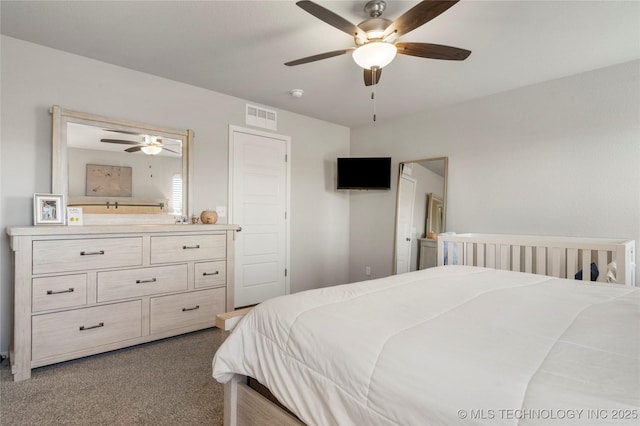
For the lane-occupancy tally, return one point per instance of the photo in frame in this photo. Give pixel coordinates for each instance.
(48, 209)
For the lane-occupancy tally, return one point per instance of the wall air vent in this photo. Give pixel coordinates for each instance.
(261, 117)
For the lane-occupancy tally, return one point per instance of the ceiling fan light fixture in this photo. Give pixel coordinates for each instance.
(151, 149)
(374, 54)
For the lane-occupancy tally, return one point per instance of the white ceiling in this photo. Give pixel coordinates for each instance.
(239, 48)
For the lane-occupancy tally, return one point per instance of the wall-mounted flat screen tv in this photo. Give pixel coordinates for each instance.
(364, 173)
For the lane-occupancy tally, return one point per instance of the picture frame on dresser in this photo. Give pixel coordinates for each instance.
(48, 209)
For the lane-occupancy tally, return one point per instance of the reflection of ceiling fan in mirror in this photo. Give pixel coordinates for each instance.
(376, 37)
(150, 145)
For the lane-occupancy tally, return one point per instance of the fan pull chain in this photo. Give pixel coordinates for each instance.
(373, 90)
(373, 98)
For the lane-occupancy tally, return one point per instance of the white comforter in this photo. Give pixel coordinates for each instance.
(447, 345)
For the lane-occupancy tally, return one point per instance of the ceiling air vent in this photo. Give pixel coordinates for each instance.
(261, 117)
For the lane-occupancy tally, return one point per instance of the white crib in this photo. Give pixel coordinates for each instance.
(556, 256)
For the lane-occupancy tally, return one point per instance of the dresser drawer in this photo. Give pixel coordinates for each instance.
(70, 331)
(65, 291)
(198, 308)
(210, 274)
(114, 285)
(181, 248)
(90, 253)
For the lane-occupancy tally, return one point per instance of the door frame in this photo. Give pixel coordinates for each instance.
(287, 139)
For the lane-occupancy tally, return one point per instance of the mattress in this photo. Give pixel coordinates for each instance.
(446, 345)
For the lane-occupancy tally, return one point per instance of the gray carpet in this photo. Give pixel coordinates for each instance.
(167, 382)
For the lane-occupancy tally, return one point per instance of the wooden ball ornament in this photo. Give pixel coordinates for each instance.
(209, 217)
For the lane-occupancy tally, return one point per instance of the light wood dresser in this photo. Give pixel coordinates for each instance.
(88, 289)
(428, 253)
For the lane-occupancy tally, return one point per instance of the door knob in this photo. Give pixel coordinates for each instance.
(408, 239)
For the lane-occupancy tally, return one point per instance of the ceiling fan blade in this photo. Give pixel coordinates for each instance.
(433, 51)
(418, 15)
(368, 76)
(134, 148)
(126, 132)
(170, 150)
(319, 57)
(331, 18)
(125, 142)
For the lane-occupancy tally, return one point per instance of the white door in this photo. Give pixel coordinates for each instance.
(259, 199)
(406, 200)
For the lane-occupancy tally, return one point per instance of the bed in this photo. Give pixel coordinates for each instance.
(455, 344)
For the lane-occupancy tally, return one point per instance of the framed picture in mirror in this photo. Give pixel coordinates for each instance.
(108, 181)
(48, 209)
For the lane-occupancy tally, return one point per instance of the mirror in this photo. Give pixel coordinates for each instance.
(120, 172)
(434, 216)
(420, 213)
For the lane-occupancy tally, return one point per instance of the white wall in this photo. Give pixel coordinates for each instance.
(34, 77)
(557, 158)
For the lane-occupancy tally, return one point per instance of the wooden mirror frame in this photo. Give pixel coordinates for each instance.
(59, 158)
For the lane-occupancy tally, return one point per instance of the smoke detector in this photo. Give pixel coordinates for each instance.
(296, 93)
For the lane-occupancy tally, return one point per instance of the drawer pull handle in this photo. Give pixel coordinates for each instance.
(204, 274)
(191, 247)
(191, 309)
(91, 253)
(60, 291)
(152, 280)
(82, 327)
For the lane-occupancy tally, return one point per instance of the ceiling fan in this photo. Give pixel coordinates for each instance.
(376, 38)
(151, 145)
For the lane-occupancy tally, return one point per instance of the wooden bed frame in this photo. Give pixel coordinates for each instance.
(555, 256)
(245, 406)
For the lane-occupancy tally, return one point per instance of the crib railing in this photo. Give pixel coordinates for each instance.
(561, 257)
